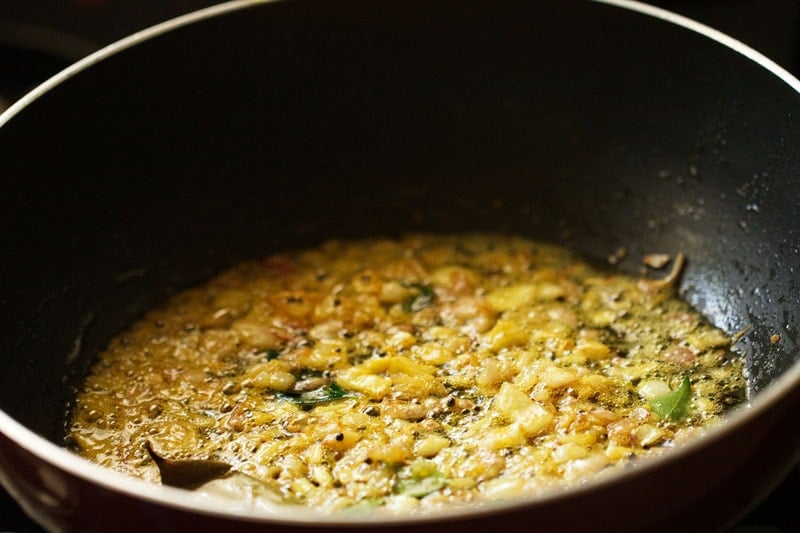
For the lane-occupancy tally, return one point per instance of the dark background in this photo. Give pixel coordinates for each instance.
(37, 39)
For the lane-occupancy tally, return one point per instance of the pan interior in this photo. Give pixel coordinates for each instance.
(181, 156)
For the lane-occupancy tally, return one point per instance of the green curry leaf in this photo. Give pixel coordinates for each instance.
(272, 353)
(673, 405)
(417, 488)
(417, 302)
(419, 479)
(326, 394)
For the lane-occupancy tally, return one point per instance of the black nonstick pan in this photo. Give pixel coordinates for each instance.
(253, 127)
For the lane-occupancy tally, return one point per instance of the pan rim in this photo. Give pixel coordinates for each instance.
(233, 5)
(712, 33)
(81, 468)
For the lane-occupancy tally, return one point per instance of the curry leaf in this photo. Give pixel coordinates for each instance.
(328, 393)
(272, 353)
(419, 479)
(421, 300)
(673, 405)
(419, 487)
(187, 473)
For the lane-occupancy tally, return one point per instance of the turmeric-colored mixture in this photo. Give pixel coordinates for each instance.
(407, 374)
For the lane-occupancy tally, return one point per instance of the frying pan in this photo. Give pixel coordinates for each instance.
(253, 127)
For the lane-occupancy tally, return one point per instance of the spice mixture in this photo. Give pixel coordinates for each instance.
(407, 374)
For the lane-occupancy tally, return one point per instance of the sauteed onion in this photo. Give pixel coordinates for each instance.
(408, 374)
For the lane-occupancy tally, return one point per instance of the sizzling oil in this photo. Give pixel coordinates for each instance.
(407, 374)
